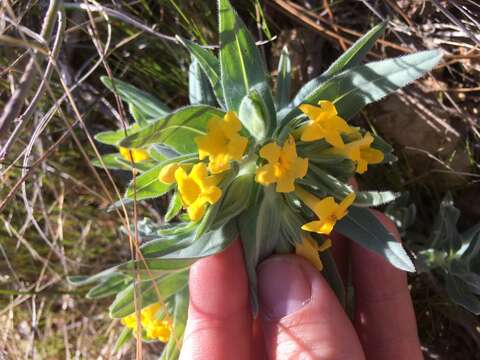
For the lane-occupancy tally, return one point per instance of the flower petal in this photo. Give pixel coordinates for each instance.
(285, 184)
(270, 152)
(167, 174)
(265, 175)
(334, 138)
(328, 108)
(312, 132)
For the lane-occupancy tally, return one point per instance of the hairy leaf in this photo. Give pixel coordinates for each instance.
(178, 130)
(363, 227)
(241, 64)
(150, 106)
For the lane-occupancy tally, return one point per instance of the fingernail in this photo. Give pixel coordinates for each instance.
(283, 287)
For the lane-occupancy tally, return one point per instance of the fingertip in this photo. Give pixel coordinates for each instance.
(219, 315)
(300, 314)
(217, 278)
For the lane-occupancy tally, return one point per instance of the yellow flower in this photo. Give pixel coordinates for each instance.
(283, 167)
(155, 329)
(167, 174)
(327, 210)
(309, 249)
(197, 189)
(222, 143)
(361, 153)
(134, 155)
(324, 124)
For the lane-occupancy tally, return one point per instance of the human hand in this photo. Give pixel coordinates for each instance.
(300, 317)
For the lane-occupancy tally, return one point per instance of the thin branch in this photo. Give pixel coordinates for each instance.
(457, 22)
(48, 72)
(129, 19)
(14, 105)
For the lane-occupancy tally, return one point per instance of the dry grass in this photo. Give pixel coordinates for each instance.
(53, 204)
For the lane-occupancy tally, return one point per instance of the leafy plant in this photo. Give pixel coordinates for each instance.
(245, 163)
(453, 257)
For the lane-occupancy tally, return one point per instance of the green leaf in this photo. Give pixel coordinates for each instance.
(458, 293)
(284, 79)
(180, 314)
(290, 227)
(350, 58)
(174, 207)
(149, 291)
(199, 88)
(147, 185)
(402, 212)
(174, 253)
(209, 244)
(357, 52)
(445, 235)
(114, 137)
(109, 286)
(259, 227)
(125, 336)
(150, 230)
(117, 162)
(472, 280)
(177, 130)
(209, 64)
(151, 269)
(111, 161)
(331, 274)
(236, 199)
(471, 240)
(339, 189)
(363, 227)
(150, 106)
(241, 64)
(210, 216)
(81, 280)
(359, 86)
(374, 198)
(256, 114)
(164, 245)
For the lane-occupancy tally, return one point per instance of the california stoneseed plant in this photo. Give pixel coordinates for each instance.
(452, 257)
(239, 162)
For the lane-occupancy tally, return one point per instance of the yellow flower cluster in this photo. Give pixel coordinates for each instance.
(154, 328)
(283, 167)
(221, 144)
(325, 124)
(197, 183)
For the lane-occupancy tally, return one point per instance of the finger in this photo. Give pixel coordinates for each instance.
(219, 316)
(301, 317)
(384, 316)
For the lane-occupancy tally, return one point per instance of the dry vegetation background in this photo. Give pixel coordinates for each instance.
(53, 205)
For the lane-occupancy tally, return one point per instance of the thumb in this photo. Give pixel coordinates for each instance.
(301, 317)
